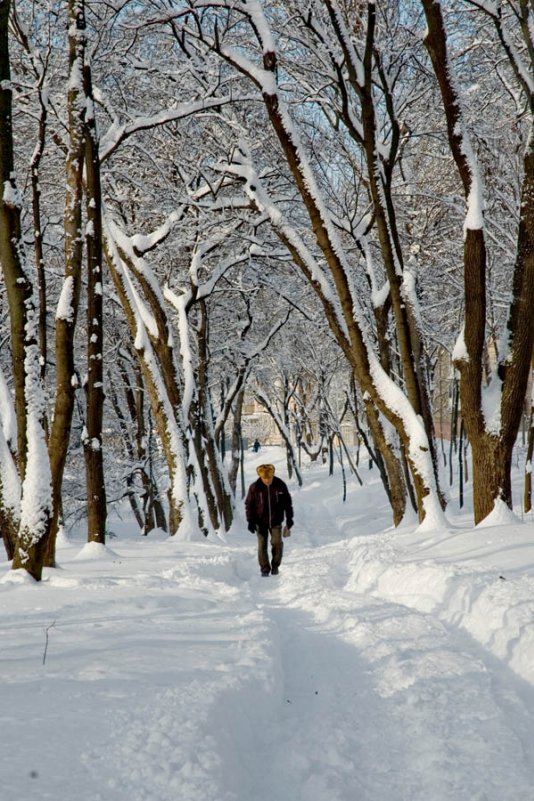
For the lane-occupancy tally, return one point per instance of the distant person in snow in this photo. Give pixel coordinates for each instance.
(267, 502)
(256, 446)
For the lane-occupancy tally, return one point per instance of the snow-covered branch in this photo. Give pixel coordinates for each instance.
(118, 132)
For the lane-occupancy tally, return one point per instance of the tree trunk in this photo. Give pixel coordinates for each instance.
(492, 440)
(128, 447)
(345, 324)
(527, 494)
(67, 312)
(402, 294)
(236, 440)
(387, 462)
(17, 285)
(34, 523)
(160, 381)
(390, 466)
(38, 245)
(141, 456)
(94, 385)
(211, 453)
(10, 489)
(492, 464)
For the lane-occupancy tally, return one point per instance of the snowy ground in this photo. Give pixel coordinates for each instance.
(379, 665)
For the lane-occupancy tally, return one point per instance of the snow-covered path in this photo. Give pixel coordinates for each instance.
(378, 666)
(383, 702)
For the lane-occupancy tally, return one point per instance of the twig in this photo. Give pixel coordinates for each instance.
(46, 639)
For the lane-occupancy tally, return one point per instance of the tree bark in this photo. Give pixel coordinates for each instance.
(389, 465)
(492, 440)
(345, 324)
(38, 245)
(235, 458)
(379, 176)
(94, 384)
(128, 447)
(213, 461)
(33, 464)
(67, 312)
(18, 287)
(161, 385)
(527, 492)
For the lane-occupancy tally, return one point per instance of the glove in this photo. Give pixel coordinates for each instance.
(252, 528)
(286, 532)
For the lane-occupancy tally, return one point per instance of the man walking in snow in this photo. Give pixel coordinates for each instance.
(267, 501)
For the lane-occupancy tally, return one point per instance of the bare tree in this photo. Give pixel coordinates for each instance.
(492, 415)
(333, 282)
(32, 518)
(67, 310)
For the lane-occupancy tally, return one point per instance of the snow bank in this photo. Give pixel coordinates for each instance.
(481, 581)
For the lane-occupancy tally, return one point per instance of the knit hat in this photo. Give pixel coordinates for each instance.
(265, 470)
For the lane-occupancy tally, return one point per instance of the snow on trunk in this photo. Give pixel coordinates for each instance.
(8, 418)
(169, 420)
(36, 502)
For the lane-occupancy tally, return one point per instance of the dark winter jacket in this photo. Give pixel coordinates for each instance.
(266, 506)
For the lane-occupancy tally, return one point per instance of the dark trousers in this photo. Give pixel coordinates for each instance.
(277, 548)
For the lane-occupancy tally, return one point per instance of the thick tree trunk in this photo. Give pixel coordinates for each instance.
(13, 276)
(199, 443)
(94, 385)
(18, 288)
(153, 510)
(67, 312)
(403, 300)
(35, 511)
(10, 488)
(159, 368)
(390, 465)
(492, 440)
(492, 464)
(402, 297)
(9, 529)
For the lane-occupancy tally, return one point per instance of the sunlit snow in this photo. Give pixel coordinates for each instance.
(380, 665)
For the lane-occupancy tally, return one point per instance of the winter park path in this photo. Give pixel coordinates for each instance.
(343, 697)
(194, 679)
(384, 702)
